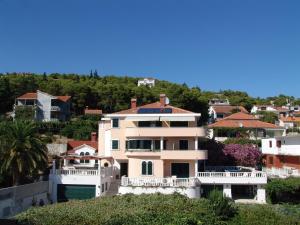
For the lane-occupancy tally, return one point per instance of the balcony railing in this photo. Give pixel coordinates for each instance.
(77, 172)
(158, 182)
(165, 132)
(255, 177)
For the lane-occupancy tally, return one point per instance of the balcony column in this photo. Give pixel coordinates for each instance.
(161, 143)
(227, 190)
(261, 194)
(65, 162)
(196, 168)
(196, 143)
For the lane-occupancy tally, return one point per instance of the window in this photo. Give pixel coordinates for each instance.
(179, 124)
(278, 144)
(271, 160)
(87, 160)
(106, 164)
(115, 123)
(139, 144)
(81, 154)
(183, 144)
(149, 123)
(220, 116)
(270, 144)
(156, 144)
(147, 168)
(115, 144)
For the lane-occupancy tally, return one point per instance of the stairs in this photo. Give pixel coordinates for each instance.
(113, 188)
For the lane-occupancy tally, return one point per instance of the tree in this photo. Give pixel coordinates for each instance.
(269, 117)
(23, 152)
(243, 155)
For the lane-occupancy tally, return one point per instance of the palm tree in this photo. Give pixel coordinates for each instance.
(22, 151)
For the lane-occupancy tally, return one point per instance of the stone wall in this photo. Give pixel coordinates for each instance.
(14, 200)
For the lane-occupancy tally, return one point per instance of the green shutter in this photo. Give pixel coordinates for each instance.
(150, 168)
(144, 168)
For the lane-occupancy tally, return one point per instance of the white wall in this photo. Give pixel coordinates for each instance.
(290, 145)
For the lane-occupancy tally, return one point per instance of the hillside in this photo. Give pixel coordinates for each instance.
(112, 93)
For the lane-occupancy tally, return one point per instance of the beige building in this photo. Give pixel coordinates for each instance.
(154, 140)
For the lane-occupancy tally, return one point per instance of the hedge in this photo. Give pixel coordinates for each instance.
(153, 209)
(284, 190)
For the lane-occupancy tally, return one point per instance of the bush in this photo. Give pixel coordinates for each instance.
(153, 209)
(222, 206)
(284, 190)
(242, 141)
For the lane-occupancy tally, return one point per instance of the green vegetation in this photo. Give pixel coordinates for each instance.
(157, 210)
(268, 117)
(242, 141)
(22, 152)
(24, 113)
(284, 190)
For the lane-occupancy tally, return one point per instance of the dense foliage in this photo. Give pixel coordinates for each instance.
(152, 210)
(243, 155)
(269, 117)
(23, 153)
(242, 141)
(284, 190)
(111, 93)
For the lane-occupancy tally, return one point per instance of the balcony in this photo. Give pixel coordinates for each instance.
(184, 154)
(254, 177)
(165, 132)
(158, 182)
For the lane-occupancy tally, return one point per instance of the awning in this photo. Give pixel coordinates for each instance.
(142, 118)
(177, 118)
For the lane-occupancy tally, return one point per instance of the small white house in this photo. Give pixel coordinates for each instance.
(147, 82)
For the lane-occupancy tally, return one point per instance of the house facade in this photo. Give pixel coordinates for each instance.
(242, 124)
(282, 156)
(154, 148)
(220, 111)
(46, 107)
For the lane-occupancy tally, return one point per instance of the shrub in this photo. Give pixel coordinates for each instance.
(222, 206)
(284, 190)
(242, 141)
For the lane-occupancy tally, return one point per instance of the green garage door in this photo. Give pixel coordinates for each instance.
(67, 192)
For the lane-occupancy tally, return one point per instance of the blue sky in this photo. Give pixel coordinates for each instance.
(249, 45)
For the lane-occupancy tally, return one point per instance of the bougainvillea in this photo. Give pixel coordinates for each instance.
(243, 155)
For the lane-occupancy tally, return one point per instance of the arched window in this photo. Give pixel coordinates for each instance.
(147, 168)
(87, 160)
(106, 164)
(81, 154)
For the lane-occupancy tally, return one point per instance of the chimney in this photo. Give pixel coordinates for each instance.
(94, 136)
(162, 99)
(133, 103)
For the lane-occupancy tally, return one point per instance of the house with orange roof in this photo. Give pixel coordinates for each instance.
(219, 111)
(289, 122)
(46, 107)
(239, 124)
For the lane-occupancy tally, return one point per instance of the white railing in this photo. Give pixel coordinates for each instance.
(232, 174)
(282, 172)
(158, 182)
(77, 172)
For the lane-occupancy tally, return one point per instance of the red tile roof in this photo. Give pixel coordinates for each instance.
(33, 95)
(227, 109)
(63, 98)
(290, 119)
(240, 119)
(175, 110)
(29, 95)
(72, 144)
(92, 111)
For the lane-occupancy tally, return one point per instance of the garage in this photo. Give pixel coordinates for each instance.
(66, 192)
(181, 170)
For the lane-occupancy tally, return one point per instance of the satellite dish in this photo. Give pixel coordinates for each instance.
(167, 101)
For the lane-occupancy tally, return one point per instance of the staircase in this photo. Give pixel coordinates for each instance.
(113, 188)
